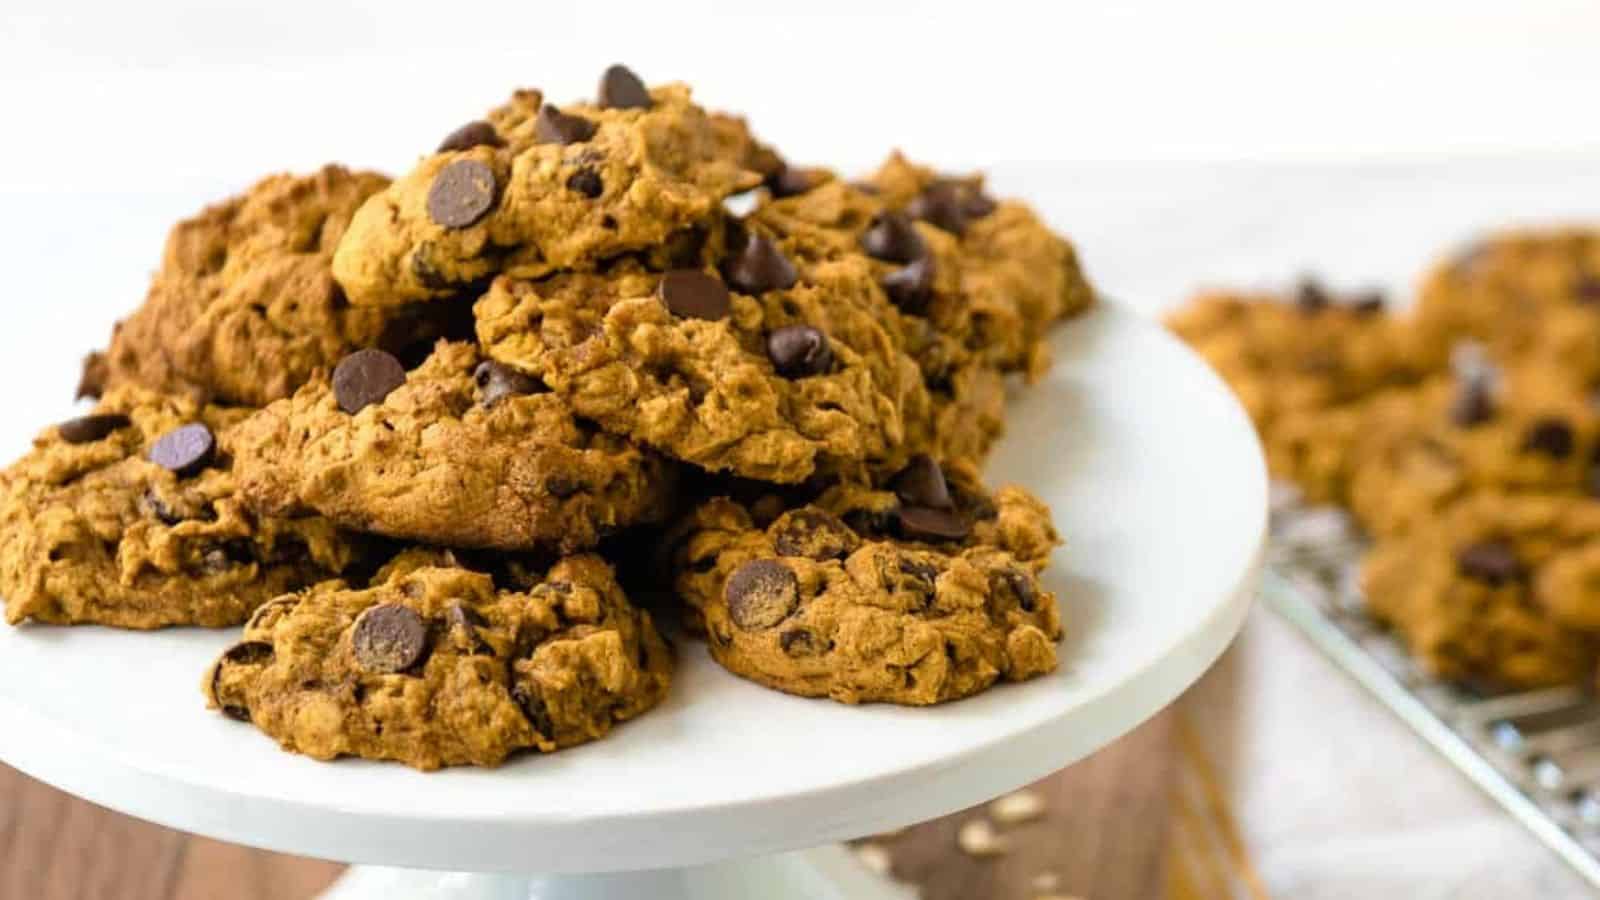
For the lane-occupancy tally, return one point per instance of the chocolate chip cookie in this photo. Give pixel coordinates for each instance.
(244, 307)
(917, 592)
(538, 188)
(461, 451)
(988, 273)
(438, 665)
(765, 367)
(1500, 587)
(131, 516)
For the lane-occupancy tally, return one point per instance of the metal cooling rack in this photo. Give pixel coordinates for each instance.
(1537, 753)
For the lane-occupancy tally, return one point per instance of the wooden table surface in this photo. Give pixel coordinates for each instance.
(1103, 835)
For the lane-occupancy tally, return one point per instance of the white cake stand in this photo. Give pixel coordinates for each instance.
(1155, 478)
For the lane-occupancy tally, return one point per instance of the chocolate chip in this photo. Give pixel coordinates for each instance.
(461, 616)
(813, 534)
(534, 710)
(922, 483)
(1552, 437)
(586, 182)
(797, 351)
(1492, 562)
(1310, 296)
(389, 638)
(923, 523)
(692, 294)
(760, 267)
(621, 89)
(248, 653)
(911, 286)
(366, 377)
(1473, 404)
(153, 506)
(799, 642)
(185, 450)
(1369, 303)
(892, 238)
(496, 380)
(556, 127)
(1587, 288)
(472, 134)
(761, 593)
(1018, 585)
(88, 429)
(462, 193)
(789, 182)
(942, 204)
(92, 379)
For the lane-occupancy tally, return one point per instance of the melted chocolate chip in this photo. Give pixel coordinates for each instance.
(1552, 437)
(621, 89)
(462, 194)
(472, 134)
(910, 287)
(760, 267)
(892, 238)
(798, 351)
(185, 450)
(534, 710)
(942, 204)
(552, 126)
(89, 429)
(922, 483)
(692, 294)
(799, 642)
(586, 182)
(1492, 562)
(789, 182)
(366, 377)
(496, 380)
(389, 638)
(761, 593)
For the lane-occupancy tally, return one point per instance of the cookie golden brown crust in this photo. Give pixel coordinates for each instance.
(1500, 587)
(459, 452)
(865, 596)
(436, 665)
(244, 307)
(93, 530)
(556, 189)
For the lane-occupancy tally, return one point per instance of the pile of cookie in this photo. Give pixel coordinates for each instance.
(1462, 435)
(449, 446)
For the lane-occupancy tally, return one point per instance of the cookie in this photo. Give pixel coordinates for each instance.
(539, 188)
(1498, 587)
(244, 307)
(769, 368)
(438, 665)
(988, 273)
(460, 451)
(1503, 289)
(131, 516)
(1522, 431)
(1283, 356)
(919, 593)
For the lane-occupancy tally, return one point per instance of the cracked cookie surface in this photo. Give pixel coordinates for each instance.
(459, 451)
(540, 189)
(244, 307)
(436, 665)
(132, 517)
(917, 594)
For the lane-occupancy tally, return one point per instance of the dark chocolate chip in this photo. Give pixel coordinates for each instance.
(1473, 404)
(1019, 585)
(1552, 437)
(760, 267)
(942, 204)
(692, 294)
(1369, 303)
(1587, 288)
(154, 506)
(586, 182)
(621, 89)
(496, 380)
(92, 380)
(797, 351)
(925, 573)
(389, 638)
(1492, 562)
(184, 450)
(462, 193)
(924, 523)
(248, 653)
(761, 593)
(789, 182)
(799, 642)
(88, 429)
(922, 483)
(472, 134)
(910, 287)
(892, 238)
(556, 127)
(1310, 296)
(534, 710)
(813, 534)
(366, 377)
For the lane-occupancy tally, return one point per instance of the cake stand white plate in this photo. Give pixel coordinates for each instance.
(1156, 481)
